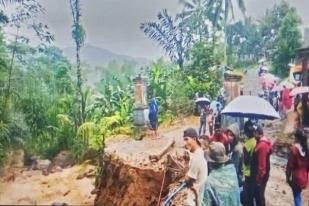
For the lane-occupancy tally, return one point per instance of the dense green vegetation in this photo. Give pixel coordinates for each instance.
(46, 106)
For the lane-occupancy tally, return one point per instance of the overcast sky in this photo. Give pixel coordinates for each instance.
(114, 24)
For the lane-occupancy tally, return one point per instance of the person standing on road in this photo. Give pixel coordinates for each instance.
(260, 165)
(198, 170)
(236, 154)
(249, 147)
(210, 120)
(220, 136)
(153, 117)
(298, 166)
(203, 121)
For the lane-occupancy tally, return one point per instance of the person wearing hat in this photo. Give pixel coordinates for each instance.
(221, 187)
(198, 171)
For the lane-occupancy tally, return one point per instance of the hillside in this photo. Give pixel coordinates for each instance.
(96, 56)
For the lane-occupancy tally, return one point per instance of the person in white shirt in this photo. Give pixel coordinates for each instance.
(198, 171)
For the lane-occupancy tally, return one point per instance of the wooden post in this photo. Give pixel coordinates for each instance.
(305, 116)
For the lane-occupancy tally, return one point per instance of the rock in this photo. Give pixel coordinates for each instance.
(283, 192)
(39, 164)
(56, 169)
(63, 159)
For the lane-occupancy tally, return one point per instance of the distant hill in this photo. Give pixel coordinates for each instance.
(96, 56)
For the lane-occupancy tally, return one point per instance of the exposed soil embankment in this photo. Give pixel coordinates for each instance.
(133, 171)
(124, 184)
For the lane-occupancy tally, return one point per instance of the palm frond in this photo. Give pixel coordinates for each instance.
(5, 2)
(188, 4)
(156, 32)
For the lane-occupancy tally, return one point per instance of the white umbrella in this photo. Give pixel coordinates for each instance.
(202, 99)
(264, 68)
(251, 107)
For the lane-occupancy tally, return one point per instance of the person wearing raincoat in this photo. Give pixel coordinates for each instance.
(221, 188)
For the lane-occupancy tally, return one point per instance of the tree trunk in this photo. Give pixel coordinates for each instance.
(8, 90)
(80, 112)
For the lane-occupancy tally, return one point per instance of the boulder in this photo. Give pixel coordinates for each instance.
(63, 159)
(39, 164)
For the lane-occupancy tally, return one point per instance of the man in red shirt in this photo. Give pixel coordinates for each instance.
(260, 165)
(220, 136)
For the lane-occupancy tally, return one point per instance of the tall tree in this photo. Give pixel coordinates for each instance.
(78, 34)
(170, 34)
(26, 14)
(270, 25)
(244, 41)
(289, 39)
(195, 17)
(219, 7)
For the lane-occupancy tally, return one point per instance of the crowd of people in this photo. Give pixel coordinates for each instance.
(232, 172)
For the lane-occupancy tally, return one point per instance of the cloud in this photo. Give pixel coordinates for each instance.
(114, 24)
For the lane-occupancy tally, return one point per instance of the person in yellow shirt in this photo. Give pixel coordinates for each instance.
(249, 146)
